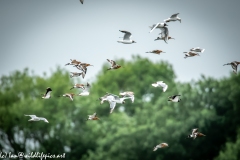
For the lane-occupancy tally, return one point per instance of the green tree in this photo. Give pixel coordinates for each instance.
(133, 129)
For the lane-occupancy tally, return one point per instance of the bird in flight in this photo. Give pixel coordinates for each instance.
(173, 17)
(47, 94)
(126, 38)
(234, 65)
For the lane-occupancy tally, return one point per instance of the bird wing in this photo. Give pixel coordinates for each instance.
(194, 130)
(112, 62)
(164, 86)
(174, 15)
(164, 32)
(48, 92)
(70, 96)
(162, 145)
(127, 35)
(234, 66)
(32, 116)
(114, 96)
(155, 148)
(112, 104)
(82, 1)
(132, 98)
(153, 27)
(175, 96)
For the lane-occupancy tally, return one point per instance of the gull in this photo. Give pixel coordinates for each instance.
(160, 84)
(35, 118)
(110, 99)
(127, 94)
(126, 38)
(93, 117)
(75, 74)
(73, 62)
(113, 99)
(156, 52)
(174, 98)
(174, 17)
(197, 49)
(114, 65)
(85, 91)
(78, 86)
(234, 65)
(117, 99)
(82, 1)
(164, 30)
(69, 95)
(162, 38)
(158, 25)
(190, 54)
(161, 145)
(195, 134)
(47, 94)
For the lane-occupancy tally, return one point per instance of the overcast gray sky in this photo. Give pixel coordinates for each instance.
(43, 34)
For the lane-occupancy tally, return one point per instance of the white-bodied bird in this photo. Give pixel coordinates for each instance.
(35, 118)
(47, 94)
(126, 38)
(160, 84)
(174, 98)
(173, 17)
(161, 145)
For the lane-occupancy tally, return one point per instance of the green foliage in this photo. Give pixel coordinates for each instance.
(133, 129)
(231, 150)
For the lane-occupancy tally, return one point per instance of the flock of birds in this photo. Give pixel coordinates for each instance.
(113, 99)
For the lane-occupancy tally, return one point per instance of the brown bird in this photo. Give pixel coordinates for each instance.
(73, 62)
(161, 145)
(83, 67)
(156, 52)
(69, 95)
(195, 134)
(75, 74)
(190, 54)
(162, 38)
(78, 86)
(234, 65)
(114, 65)
(93, 117)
